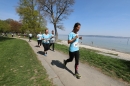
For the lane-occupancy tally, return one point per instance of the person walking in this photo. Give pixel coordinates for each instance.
(73, 39)
(52, 40)
(30, 36)
(39, 39)
(12, 35)
(46, 41)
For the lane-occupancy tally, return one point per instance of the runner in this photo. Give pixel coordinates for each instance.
(39, 39)
(45, 41)
(30, 36)
(73, 39)
(52, 41)
(12, 35)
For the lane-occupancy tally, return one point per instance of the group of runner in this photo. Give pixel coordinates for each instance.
(47, 40)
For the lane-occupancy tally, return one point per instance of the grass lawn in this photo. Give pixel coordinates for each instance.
(19, 65)
(113, 67)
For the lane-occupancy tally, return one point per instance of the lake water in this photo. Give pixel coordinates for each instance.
(121, 44)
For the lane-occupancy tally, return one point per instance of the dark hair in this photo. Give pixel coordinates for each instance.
(46, 30)
(76, 25)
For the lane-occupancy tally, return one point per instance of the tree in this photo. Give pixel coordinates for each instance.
(10, 25)
(15, 26)
(42, 22)
(56, 11)
(29, 16)
(4, 26)
(8, 20)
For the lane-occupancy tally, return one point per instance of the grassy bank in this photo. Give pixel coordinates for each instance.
(111, 66)
(19, 65)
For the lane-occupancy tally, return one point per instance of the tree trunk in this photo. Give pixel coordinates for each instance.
(56, 33)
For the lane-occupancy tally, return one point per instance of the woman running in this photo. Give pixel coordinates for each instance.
(46, 42)
(39, 39)
(73, 39)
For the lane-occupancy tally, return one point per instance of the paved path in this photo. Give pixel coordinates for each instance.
(64, 76)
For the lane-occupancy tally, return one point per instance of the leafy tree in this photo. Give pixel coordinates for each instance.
(4, 26)
(15, 26)
(29, 16)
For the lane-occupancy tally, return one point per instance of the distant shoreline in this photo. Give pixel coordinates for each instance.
(102, 48)
(121, 55)
(107, 48)
(100, 36)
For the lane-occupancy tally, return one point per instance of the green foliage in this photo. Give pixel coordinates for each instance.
(30, 16)
(10, 25)
(4, 26)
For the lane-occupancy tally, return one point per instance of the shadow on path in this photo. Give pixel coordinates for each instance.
(41, 52)
(61, 65)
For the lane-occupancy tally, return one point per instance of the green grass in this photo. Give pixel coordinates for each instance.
(19, 65)
(113, 67)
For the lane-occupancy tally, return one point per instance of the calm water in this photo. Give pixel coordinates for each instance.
(116, 43)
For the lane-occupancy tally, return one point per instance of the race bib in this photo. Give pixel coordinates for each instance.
(46, 41)
(76, 44)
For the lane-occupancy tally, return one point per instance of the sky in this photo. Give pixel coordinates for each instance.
(97, 17)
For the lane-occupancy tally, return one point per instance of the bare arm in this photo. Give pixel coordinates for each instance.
(72, 40)
(42, 38)
(37, 36)
(53, 37)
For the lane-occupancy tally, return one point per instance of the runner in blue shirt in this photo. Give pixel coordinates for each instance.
(39, 39)
(73, 39)
(46, 41)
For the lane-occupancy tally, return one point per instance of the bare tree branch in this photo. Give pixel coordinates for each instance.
(56, 11)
